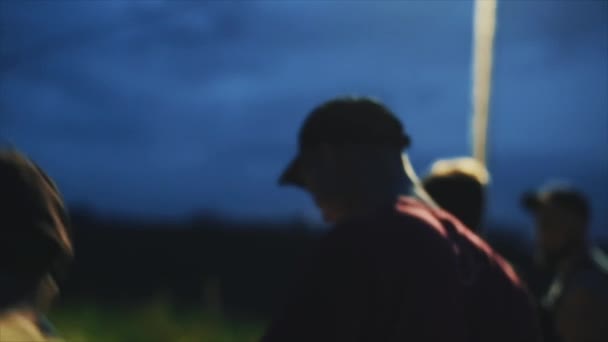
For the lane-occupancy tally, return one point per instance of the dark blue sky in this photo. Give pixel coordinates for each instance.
(165, 108)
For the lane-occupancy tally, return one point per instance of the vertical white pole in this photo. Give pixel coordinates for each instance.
(484, 29)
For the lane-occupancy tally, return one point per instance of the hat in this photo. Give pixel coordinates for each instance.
(559, 196)
(358, 120)
(34, 227)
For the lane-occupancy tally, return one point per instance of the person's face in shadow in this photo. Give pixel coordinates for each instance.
(558, 232)
(325, 179)
(349, 179)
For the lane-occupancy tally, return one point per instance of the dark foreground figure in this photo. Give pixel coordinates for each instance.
(35, 247)
(393, 267)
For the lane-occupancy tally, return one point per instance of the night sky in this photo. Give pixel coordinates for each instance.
(160, 108)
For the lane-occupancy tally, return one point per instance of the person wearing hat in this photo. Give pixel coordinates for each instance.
(393, 267)
(575, 307)
(458, 185)
(35, 247)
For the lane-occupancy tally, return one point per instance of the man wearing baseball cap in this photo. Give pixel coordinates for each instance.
(35, 246)
(394, 267)
(575, 307)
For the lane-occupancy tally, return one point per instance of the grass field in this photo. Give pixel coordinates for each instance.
(155, 322)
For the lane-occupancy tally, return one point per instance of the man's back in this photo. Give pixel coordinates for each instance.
(407, 274)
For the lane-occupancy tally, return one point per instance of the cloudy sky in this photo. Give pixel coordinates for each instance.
(170, 107)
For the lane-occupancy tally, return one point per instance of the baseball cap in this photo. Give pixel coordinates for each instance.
(359, 120)
(561, 196)
(34, 226)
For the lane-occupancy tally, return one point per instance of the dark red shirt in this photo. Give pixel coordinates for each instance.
(410, 273)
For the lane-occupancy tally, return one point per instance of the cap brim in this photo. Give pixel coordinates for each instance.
(293, 174)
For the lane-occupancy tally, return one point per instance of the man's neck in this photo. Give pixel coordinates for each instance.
(380, 197)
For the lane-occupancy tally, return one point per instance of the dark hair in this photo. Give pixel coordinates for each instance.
(459, 194)
(34, 227)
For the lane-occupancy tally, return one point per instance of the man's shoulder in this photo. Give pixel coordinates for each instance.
(405, 212)
(462, 242)
(387, 220)
(593, 277)
(409, 225)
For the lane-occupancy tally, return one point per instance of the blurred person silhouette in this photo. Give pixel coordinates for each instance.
(575, 307)
(35, 246)
(458, 186)
(393, 267)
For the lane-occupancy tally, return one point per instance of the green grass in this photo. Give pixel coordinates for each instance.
(155, 322)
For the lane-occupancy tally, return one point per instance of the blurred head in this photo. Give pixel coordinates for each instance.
(458, 186)
(34, 240)
(349, 156)
(561, 217)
